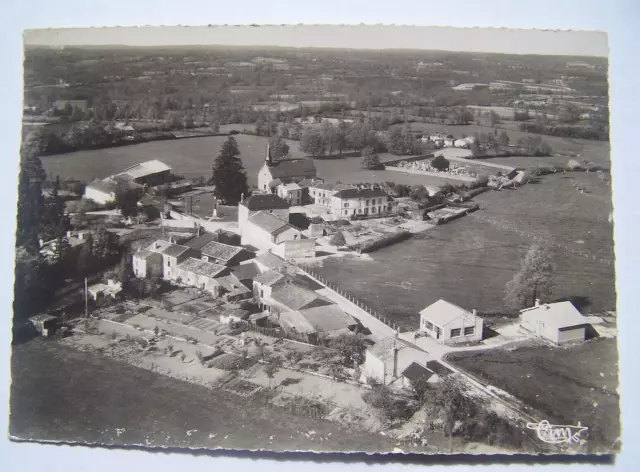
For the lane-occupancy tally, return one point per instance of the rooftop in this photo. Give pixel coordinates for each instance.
(270, 261)
(174, 250)
(269, 278)
(442, 313)
(105, 186)
(327, 318)
(42, 318)
(416, 371)
(296, 298)
(145, 254)
(201, 241)
(559, 315)
(246, 271)
(146, 168)
(269, 222)
(383, 349)
(292, 168)
(265, 201)
(207, 269)
(291, 186)
(224, 252)
(362, 192)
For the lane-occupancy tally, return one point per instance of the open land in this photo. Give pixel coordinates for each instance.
(62, 394)
(446, 261)
(193, 158)
(568, 384)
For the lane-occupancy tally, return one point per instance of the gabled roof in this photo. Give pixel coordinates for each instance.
(174, 250)
(327, 318)
(291, 186)
(269, 222)
(416, 371)
(246, 271)
(146, 168)
(144, 254)
(383, 349)
(296, 298)
(559, 315)
(361, 192)
(224, 252)
(442, 313)
(292, 168)
(207, 269)
(270, 261)
(201, 241)
(265, 201)
(269, 278)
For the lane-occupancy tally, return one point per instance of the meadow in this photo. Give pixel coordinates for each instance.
(193, 157)
(469, 261)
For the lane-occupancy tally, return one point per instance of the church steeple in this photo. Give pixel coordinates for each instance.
(268, 155)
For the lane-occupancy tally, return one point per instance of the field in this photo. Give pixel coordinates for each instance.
(596, 152)
(566, 385)
(62, 394)
(193, 157)
(469, 261)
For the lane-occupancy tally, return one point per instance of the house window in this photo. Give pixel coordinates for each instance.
(367, 204)
(379, 200)
(379, 209)
(428, 325)
(373, 209)
(345, 212)
(455, 332)
(168, 262)
(468, 331)
(261, 293)
(346, 204)
(295, 236)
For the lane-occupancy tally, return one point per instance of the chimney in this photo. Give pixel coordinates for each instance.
(537, 302)
(242, 197)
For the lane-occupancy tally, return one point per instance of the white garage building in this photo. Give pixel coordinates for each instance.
(559, 322)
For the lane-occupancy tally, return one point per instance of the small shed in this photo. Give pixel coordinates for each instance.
(45, 325)
(416, 372)
(559, 322)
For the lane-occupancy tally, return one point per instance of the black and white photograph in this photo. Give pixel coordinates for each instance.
(239, 238)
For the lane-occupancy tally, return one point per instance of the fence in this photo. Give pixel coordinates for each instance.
(331, 286)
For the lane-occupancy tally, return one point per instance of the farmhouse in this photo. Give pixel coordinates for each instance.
(449, 324)
(172, 255)
(261, 202)
(386, 361)
(197, 273)
(360, 200)
(291, 192)
(147, 264)
(284, 171)
(559, 322)
(268, 232)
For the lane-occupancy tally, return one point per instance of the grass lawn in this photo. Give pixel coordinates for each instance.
(469, 261)
(62, 394)
(193, 158)
(565, 384)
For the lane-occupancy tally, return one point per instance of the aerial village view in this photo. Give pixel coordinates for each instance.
(309, 249)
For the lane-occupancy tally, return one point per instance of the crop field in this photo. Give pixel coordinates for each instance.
(469, 261)
(194, 157)
(565, 384)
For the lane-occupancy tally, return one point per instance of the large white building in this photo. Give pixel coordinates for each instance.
(449, 324)
(559, 322)
(344, 201)
(268, 232)
(269, 203)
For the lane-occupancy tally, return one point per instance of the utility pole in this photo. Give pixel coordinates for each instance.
(86, 298)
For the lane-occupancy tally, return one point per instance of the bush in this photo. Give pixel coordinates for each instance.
(440, 163)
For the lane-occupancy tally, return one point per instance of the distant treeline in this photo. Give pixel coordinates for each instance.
(600, 133)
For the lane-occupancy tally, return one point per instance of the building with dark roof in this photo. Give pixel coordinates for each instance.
(224, 254)
(386, 360)
(284, 171)
(147, 264)
(269, 203)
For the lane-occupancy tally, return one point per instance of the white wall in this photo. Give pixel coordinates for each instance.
(99, 197)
